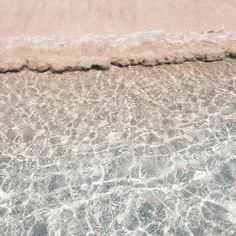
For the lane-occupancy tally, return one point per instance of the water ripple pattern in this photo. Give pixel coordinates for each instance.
(129, 151)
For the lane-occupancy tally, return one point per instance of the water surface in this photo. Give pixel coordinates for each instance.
(128, 151)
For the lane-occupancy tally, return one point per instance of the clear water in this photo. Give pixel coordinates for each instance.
(129, 151)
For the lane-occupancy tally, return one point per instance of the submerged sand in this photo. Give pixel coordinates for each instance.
(127, 151)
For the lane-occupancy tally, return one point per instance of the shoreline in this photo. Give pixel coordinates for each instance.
(151, 48)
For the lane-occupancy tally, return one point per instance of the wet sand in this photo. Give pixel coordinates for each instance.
(127, 151)
(149, 48)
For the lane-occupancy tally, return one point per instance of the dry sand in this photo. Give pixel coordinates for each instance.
(79, 17)
(73, 35)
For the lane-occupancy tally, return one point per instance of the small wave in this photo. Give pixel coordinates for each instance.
(61, 53)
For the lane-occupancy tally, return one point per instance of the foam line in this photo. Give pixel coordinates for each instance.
(65, 53)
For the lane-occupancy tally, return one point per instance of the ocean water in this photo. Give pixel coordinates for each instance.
(127, 151)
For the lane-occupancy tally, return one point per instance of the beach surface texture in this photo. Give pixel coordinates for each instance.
(74, 35)
(118, 118)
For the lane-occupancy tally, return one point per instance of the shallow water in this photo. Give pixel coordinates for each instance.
(128, 151)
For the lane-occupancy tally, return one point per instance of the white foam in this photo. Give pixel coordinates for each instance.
(150, 47)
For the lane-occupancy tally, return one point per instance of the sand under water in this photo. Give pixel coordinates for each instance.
(125, 151)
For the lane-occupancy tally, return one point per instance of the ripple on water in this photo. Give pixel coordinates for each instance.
(129, 151)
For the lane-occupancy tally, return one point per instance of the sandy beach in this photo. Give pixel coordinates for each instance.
(118, 118)
(73, 35)
(77, 18)
(77, 35)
